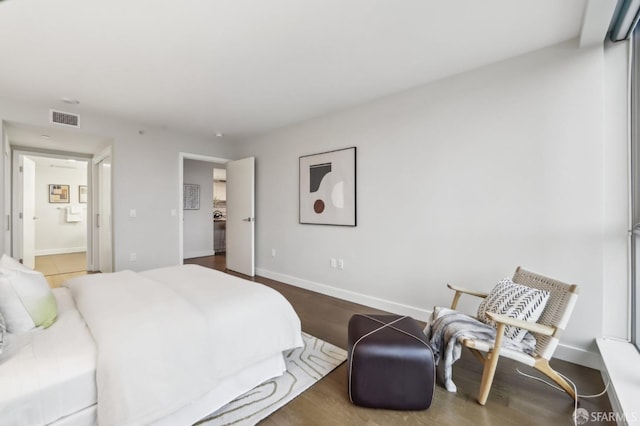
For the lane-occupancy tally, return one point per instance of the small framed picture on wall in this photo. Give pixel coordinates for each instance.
(58, 193)
(82, 193)
(191, 196)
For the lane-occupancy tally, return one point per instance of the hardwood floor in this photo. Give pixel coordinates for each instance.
(59, 267)
(514, 399)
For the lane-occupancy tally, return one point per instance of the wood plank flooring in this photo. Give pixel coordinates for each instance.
(60, 267)
(514, 399)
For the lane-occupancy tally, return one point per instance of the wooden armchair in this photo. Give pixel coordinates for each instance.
(547, 331)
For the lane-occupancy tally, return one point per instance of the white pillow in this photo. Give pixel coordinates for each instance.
(10, 263)
(26, 300)
(516, 301)
(16, 316)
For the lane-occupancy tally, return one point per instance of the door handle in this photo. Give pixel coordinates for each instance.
(249, 219)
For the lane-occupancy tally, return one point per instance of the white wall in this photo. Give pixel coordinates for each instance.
(145, 179)
(615, 300)
(459, 181)
(198, 224)
(54, 234)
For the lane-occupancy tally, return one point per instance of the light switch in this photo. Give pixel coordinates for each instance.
(132, 213)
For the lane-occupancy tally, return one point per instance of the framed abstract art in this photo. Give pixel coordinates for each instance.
(191, 196)
(58, 193)
(328, 188)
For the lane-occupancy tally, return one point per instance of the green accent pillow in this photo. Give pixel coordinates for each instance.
(26, 300)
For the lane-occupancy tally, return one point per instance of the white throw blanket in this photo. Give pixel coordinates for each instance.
(446, 329)
(166, 341)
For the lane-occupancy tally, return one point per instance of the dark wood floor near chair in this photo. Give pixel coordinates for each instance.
(514, 399)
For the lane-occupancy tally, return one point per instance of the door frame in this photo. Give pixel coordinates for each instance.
(95, 196)
(180, 211)
(27, 182)
(16, 195)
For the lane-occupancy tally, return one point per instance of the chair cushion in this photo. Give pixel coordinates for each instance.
(516, 301)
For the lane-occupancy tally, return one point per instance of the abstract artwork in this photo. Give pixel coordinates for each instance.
(328, 188)
(191, 196)
(58, 193)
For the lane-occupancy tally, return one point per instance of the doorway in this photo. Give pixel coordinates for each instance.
(51, 211)
(73, 200)
(239, 223)
(204, 218)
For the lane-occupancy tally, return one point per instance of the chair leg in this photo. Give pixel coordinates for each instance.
(490, 366)
(456, 298)
(543, 366)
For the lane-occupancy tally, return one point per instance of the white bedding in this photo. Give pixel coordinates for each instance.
(50, 373)
(167, 337)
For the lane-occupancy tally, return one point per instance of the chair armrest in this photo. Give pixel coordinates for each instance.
(527, 325)
(468, 291)
(460, 291)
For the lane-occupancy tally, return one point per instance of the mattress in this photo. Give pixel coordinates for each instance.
(49, 374)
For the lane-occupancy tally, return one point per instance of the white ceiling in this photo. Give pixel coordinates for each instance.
(59, 163)
(53, 139)
(244, 67)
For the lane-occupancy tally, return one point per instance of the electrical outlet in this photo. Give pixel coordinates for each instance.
(133, 213)
(334, 263)
(132, 257)
(273, 252)
(340, 263)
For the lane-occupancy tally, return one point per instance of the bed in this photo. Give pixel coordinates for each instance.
(165, 347)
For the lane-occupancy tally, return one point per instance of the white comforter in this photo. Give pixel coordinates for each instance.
(166, 337)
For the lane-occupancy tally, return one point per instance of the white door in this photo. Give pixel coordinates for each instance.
(240, 216)
(28, 212)
(104, 219)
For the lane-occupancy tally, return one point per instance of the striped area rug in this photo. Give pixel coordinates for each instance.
(305, 366)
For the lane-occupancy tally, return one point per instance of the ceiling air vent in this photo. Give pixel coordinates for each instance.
(65, 118)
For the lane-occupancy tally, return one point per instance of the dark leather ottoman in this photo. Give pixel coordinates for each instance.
(390, 363)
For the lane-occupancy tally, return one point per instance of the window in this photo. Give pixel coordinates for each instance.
(635, 190)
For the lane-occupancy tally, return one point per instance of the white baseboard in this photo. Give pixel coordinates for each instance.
(198, 253)
(564, 352)
(362, 299)
(47, 252)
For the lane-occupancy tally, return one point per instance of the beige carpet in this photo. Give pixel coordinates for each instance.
(305, 366)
